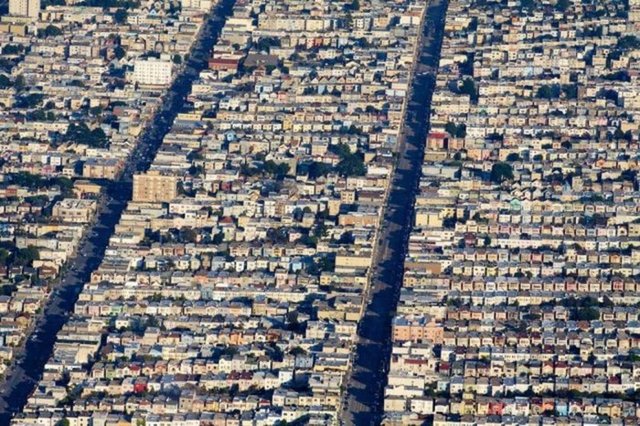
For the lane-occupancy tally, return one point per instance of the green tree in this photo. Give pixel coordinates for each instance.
(628, 42)
(570, 91)
(527, 4)
(297, 350)
(19, 84)
(514, 156)
(188, 235)
(119, 52)
(456, 130)
(26, 256)
(37, 115)
(351, 164)
(50, 31)
(12, 49)
(549, 91)
(120, 16)
(469, 88)
(277, 170)
(501, 172)
(31, 100)
(318, 169)
(4, 256)
(5, 82)
(80, 133)
(586, 314)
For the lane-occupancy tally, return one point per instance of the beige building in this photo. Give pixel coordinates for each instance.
(29, 8)
(154, 187)
(101, 168)
(74, 210)
(153, 72)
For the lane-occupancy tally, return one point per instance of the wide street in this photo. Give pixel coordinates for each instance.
(363, 404)
(28, 367)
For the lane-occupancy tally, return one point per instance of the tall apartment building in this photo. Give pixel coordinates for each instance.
(154, 187)
(27, 8)
(634, 13)
(156, 72)
(203, 5)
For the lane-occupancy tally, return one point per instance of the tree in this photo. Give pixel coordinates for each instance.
(31, 100)
(527, 4)
(107, 4)
(629, 175)
(501, 172)
(570, 91)
(19, 83)
(341, 150)
(12, 49)
(277, 170)
(586, 314)
(119, 52)
(37, 115)
(80, 133)
(628, 42)
(189, 235)
(120, 16)
(514, 156)
(621, 75)
(266, 42)
(317, 169)
(351, 164)
(549, 91)
(297, 350)
(346, 238)
(75, 83)
(30, 180)
(469, 88)
(449, 222)
(456, 130)
(218, 238)
(5, 82)
(50, 31)
(4, 256)
(26, 256)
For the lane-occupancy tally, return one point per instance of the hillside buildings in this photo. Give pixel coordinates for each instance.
(153, 72)
(232, 287)
(154, 187)
(70, 117)
(24, 8)
(520, 291)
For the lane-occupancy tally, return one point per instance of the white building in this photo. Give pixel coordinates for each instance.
(28, 8)
(154, 72)
(204, 5)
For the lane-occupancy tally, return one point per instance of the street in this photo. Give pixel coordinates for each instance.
(27, 369)
(363, 403)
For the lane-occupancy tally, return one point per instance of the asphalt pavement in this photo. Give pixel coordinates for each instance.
(363, 399)
(24, 374)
